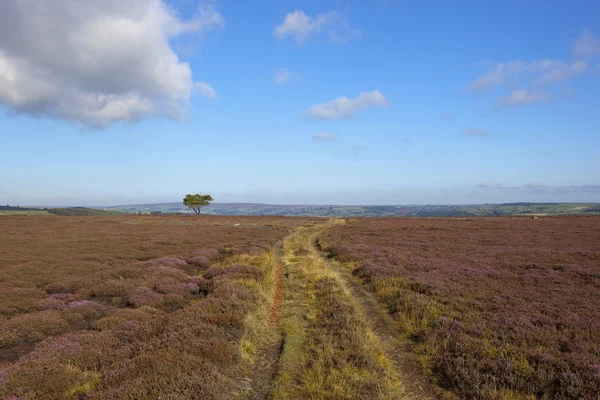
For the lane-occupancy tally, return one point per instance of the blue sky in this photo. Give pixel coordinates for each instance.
(312, 102)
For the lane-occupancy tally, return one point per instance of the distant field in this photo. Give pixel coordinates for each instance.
(70, 211)
(8, 210)
(502, 308)
(132, 307)
(372, 211)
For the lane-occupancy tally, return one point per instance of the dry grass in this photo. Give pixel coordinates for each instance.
(329, 352)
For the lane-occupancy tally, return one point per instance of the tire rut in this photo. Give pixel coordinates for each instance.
(259, 384)
(417, 384)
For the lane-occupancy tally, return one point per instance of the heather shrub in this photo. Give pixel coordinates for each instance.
(57, 287)
(47, 380)
(169, 261)
(162, 374)
(17, 300)
(204, 285)
(168, 272)
(110, 289)
(51, 303)
(143, 296)
(144, 313)
(8, 337)
(28, 328)
(239, 271)
(173, 301)
(342, 253)
(87, 350)
(199, 261)
(167, 285)
(82, 313)
(214, 271)
(211, 253)
(128, 273)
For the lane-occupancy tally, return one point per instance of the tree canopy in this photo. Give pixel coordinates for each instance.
(197, 201)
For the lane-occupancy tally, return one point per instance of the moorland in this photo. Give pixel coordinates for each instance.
(226, 307)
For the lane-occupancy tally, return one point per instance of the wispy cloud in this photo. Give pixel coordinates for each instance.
(541, 188)
(302, 27)
(519, 97)
(524, 79)
(205, 90)
(586, 45)
(282, 76)
(343, 107)
(354, 151)
(324, 137)
(489, 185)
(535, 186)
(539, 73)
(475, 132)
(577, 188)
(561, 72)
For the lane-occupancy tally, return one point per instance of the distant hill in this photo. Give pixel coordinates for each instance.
(18, 210)
(82, 211)
(8, 208)
(369, 211)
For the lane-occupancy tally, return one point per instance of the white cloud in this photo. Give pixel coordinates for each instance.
(586, 45)
(96, 62)
(535, 186)
(540, 72)
(303, 27)
(562, 72)
(281, 76)
(324, 137)
(355, 152)
(475, 132)
(540, 188)
(489, 185)
(205, 90)
(519, 97)
(343, 107)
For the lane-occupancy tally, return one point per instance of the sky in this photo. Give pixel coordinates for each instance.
(299, 102)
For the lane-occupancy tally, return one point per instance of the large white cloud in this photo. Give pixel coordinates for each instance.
(343, 107)
(96, 62)
(303, 27)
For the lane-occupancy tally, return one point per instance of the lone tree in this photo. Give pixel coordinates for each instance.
(197, 201)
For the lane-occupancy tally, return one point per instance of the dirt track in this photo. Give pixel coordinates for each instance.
(296, 306)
